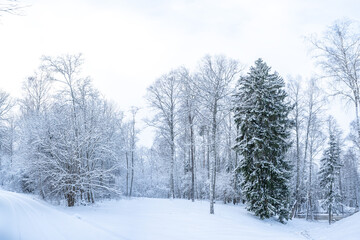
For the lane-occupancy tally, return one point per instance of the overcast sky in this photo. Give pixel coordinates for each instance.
(128, 44)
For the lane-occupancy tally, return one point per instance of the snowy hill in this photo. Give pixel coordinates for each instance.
(29, 219)
(23, 217)
(346, 229)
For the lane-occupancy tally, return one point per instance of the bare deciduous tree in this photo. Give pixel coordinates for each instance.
(338, 53)
(214, 84)
(163, 96)
(133, 134)
(6, 104)
(72, 145)
(294, 90)
(314, 137)
(189, 111)
(36, 89)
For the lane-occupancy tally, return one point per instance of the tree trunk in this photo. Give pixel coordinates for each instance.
(133, 147)
(132, 172)
(297, 187)
(341, 191)
(192, 153)
(127, 174)
(70, 199)
(309, 210)
(172, 162)
(357, 116)
(204, 149)
(330, 205)
(213, 160)
(208, 155)
(92, 197)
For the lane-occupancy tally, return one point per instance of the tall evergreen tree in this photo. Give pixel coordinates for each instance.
(329, 174)
(261, 115)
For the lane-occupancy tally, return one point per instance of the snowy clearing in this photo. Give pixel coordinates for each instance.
(26, 218)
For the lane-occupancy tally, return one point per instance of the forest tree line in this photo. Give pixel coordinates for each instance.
(65, 142)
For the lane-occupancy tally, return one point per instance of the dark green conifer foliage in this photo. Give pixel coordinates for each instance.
(261, 115)
(329, 174)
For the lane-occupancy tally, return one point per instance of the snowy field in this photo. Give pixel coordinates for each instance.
(27, 218)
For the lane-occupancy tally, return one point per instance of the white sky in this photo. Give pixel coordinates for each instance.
(128, 44)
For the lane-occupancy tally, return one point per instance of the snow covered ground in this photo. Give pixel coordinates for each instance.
(24, 217)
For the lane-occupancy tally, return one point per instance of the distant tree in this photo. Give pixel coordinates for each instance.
(6, 104)
(133, 139)
(189, 109)
(330, 171)
(351, 179)
(261, 115)
(6, 126)
(314, 138)
(71, 144)
(214, 86)
(36, 93)
(353, 136)
(338, 53)
(309, 106)
(6, 121)
(33, 105)
(163, 97)
(296, 98)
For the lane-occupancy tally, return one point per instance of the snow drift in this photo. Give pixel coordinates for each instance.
(27, 218)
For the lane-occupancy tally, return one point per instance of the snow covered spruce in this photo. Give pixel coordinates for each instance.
(261, 115)
(330, 171)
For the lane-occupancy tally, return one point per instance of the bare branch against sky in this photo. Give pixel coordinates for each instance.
(10, 7)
